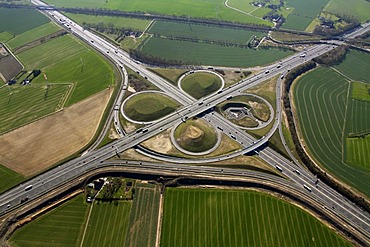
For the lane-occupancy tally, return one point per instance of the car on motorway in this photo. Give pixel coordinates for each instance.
(267, 71)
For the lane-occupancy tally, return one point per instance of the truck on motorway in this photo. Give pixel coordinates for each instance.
(307, 188)
(279, 168)
(29, 187)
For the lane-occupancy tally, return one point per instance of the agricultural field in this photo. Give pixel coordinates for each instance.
(360, 91)
(327, 115)
(107, 225)
(8, 178)
(118, 22)
(197, 9)
(60, 227)
(32, 34)
(66, 60)
(303, 14)
(247, 7)
(20, 105)
(361, 71)
(211, 54)
(20, 20)
(5, 37)
(358, 151)
(37, 146)
(195, 136)
(9, 66)
(199, 85)
(205, 217)
(203, 32)
(357, 8)
(148, 107)
(143, 221)
(172, 75)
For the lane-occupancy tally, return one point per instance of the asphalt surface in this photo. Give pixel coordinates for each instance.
(321, 193)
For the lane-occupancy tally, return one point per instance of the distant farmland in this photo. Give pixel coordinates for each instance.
(20, 20)
(200, 217)
(357, 8)
(68, 61)
(327, 115)
(193, 8)
(119, 22)
(33, 34)
(211, 54)
(304, 13)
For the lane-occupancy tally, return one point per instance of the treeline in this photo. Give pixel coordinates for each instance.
(110, 28)
(196, 40)
(333, 57)
(360, 201)
(157, 61)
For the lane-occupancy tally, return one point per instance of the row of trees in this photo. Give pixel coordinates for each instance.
(333, 57)
(110, 28)
(360, 201)
(156, 61)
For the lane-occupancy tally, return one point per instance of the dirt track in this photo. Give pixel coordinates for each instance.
(34, 147)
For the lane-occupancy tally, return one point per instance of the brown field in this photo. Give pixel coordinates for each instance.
(36, 146)
(9, 66)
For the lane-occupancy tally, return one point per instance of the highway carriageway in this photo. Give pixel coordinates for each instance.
(228, 177)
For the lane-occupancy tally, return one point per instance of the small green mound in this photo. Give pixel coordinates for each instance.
(195, 136)
(201, 84)
(147, 107)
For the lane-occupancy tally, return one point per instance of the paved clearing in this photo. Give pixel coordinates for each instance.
(35, 147)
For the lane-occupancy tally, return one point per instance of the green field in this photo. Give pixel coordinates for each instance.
(5, 37)
(22, 104)
(119, 22)
(149, 106)
(32, 34)
(356, 8)
(20, 20)
(327, 115)
(200, 84)
(108, 224)
(66, 60)
(200, 217)
(172, 75)
(361, 91)
(361, 71)
(61, 227)
(144, 216)
(8, 178)
(211, 54)
(304, 13)
(195, 136)
(203, 32)
(358, 151)
(194, 8)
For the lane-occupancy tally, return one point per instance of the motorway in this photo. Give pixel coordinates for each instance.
(322, 194)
